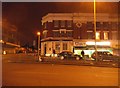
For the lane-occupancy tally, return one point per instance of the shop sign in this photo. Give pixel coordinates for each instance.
(79, 44)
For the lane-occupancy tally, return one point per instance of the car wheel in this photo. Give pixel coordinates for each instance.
(62, 57)
(77, 58)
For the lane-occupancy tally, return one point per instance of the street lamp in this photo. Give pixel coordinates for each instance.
(95, 27)
(39, 57)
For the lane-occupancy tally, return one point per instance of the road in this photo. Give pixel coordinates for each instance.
(41, 74)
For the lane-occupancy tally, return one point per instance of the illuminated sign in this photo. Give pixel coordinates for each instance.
(99, 43)
(79, 44)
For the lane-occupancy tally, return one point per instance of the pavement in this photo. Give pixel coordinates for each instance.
(25, 70)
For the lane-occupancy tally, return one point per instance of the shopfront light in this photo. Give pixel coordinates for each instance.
(99, 43)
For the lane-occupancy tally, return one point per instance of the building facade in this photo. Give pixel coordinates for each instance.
(75, 32)
(9, 37)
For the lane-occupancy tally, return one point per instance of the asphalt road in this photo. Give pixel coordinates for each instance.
(17, 73)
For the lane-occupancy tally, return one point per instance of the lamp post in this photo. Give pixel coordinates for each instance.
(95, 27)
(39, 57)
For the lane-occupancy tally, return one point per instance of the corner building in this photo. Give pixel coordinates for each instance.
(75, 32)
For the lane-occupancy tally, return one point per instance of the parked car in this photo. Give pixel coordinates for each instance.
(68, 55)
(105, 56)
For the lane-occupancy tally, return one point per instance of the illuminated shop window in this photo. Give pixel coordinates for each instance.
(56, 23)
(64, 46)
(106, 35)
(97, 35)
(57, 46)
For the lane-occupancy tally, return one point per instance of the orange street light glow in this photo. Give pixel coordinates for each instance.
(38, 33)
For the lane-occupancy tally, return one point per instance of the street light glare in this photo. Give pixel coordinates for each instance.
(38, 33)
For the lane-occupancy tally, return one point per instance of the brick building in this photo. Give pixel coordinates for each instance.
(75, 32)
(9, 37)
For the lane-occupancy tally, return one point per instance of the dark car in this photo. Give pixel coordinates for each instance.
(68, 55)
(105, 56)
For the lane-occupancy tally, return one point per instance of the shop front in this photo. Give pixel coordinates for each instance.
(89, 48)
(53, 47)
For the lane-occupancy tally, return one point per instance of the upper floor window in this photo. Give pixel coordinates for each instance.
(45, 25)
(106, 35)
(62, 23)
(89, 25)
(45, 33)
(56, 23)
(105, 25)
(62, 33)
(69, 33)
(90, 34)
(56, 33)
(69, 23)
(98, 25)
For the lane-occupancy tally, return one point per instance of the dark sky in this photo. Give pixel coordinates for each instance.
(26, 16)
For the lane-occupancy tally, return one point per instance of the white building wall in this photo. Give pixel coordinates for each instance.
(42, 48)
(51, 45)
(48, 48)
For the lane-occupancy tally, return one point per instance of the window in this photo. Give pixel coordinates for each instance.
(63, 32)
(98, 25)
(45, 25)
(57, 46)
(69, 34)
(56, 33)
(90, 34)
(45, 33)
(64, 46)
(114, 35)
(97, 35)
(106, 35)
(62, 23)
(56, 23)
(105, 25)
(89, 25)
(69, 23)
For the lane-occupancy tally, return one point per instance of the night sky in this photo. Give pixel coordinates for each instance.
(26, 16)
